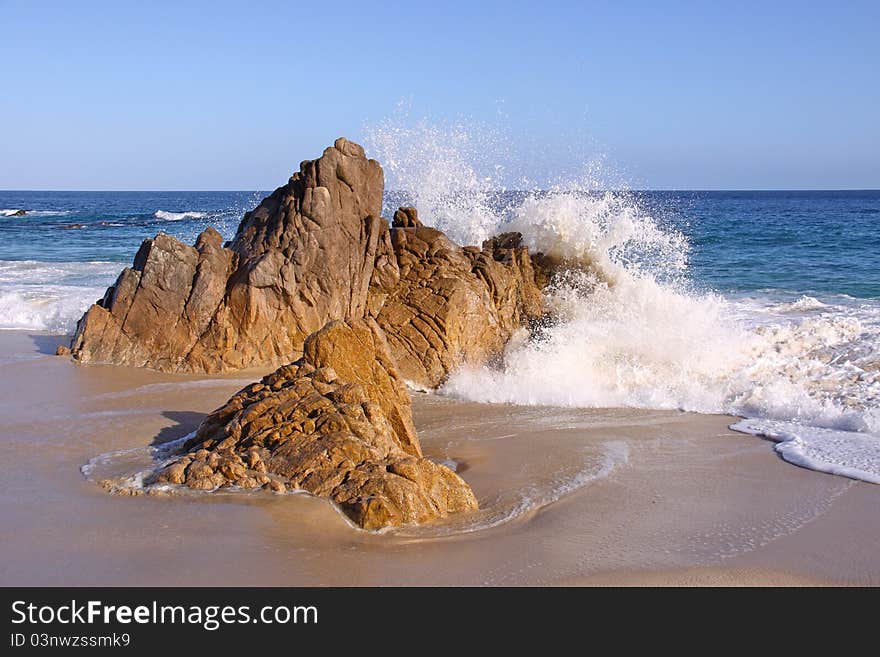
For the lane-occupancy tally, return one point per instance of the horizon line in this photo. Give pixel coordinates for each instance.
(640, 189)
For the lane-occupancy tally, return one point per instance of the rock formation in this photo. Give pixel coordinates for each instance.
(336, 423)
(313, 251)
(303, 256)
(454, 305)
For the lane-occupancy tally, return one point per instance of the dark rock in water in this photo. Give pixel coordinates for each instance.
(313, 251)
(336, 423)
(17, 213)
(62, 350)
(71, 226)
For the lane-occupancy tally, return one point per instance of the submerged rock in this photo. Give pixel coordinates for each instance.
(313, 251)
(336, 423)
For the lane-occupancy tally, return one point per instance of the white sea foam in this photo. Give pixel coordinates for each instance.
(11, 212)
(803, 304)
(129, 469)
(50, 296)
(621, 338)
(179, 216)
(855, 455)
(627, 330)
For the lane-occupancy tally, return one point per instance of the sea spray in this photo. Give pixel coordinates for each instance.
(448, 172)
(165, 215)
(628, 328)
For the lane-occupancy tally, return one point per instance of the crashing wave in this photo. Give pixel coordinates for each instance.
(627, 327)
(50, 296)
(179, 216)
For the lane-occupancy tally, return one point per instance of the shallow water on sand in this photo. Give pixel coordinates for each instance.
(566, 495)
(764, 305)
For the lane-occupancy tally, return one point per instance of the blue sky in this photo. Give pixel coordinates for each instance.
(232, 95)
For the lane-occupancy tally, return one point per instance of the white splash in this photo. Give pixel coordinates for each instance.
(179, 216)
(443, 172)
(13, 212)
(627, 330)
(50, 296)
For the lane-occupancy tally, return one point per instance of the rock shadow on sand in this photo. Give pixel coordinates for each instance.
(47, 344)
(186, 423)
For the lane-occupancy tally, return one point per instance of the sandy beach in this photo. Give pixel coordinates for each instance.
(567, 497)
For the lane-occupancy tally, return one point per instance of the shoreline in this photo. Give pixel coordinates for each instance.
(699, 577)
(618, 497)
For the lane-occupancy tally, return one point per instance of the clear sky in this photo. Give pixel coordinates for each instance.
(232, 95)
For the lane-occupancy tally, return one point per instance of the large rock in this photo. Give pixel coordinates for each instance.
(304, 256)
(336, 423)
(313, 251)
(454, 305)
(358, 352)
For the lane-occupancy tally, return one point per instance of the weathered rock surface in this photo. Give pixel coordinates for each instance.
(313, 251)
(305, 255)
(406, 218)
(454, 305)
(336, 423)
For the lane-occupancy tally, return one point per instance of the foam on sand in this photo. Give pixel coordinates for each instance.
(846, 453)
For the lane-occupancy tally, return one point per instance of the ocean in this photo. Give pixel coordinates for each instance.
(764, 305)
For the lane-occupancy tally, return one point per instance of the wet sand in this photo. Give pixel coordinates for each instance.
(568, 497)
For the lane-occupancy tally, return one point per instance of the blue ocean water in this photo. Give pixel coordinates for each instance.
(762, 304)
(109, 226)
(800, 242)
(68, 246)
(809, 242)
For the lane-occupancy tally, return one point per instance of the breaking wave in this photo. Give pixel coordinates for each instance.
(14, 212)
(628, 328)
(50, 296)
(179, 216)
